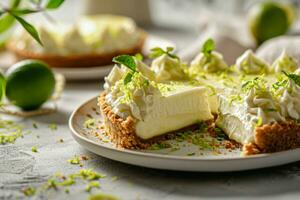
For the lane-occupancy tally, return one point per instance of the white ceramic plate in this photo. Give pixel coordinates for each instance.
(91, 73)
(201, 161)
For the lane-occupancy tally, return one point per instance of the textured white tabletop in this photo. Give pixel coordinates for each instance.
(20, 167)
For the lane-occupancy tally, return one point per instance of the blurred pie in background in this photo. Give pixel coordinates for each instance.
(90, 41)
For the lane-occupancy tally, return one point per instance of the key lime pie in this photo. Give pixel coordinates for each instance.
(256, 104)
(90, 41)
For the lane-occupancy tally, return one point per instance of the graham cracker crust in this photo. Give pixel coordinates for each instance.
(269, 138)
(274, 137)
(122, 131)
(77, 60)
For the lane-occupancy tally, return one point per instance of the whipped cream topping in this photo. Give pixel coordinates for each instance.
(74, 43)
(131, 99)
(89, 35)
(264, 106)
(212, 63)
(290, 99)
(167, 69)
(284, 62)
(248, 63)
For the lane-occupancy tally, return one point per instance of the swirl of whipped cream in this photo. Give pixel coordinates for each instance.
(263, 105)
(212, 63)
(248, 63)
(284, 62)
(290, 99)
(131, 99)
(134, 98)
(167, 69)
(74, 42)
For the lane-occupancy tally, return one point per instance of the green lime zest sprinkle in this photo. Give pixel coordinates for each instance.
(160, 145)
(270, 110)
(103, 196)
(221, 135)
(157, 52)
(67, 182)
(91, 185)
(9, 131)
(257, 83)
(191, 154)
(294, 77)
(34, 125)
(51, 183)
(67, 190)
(90, 123)
(139, 57)
(29, 191)
(88, 174)
(74, 161)
(259, 122)
(34, 149)
(203, 127)
(52, 127)
(235, 98)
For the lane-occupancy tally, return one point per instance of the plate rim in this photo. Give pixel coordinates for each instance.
(75, 133)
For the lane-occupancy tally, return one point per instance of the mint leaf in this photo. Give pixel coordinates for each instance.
(15, 3)
(208, 47)
(157, 51)
(23, 11)
(29, 28)
(6, 22)
(294, 77)
(53, 4)
(128, 78)
(126, 60)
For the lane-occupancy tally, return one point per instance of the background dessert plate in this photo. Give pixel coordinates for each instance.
(91, 73)
(186, 157)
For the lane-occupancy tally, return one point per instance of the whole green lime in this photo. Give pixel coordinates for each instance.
(268, 20)
(30, 83)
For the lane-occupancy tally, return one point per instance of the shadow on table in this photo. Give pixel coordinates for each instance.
(262, 182)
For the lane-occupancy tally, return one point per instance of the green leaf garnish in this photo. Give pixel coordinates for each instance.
(29, 28)
(23, 11)
(208, 47)
(294, 77)
(126, 60)
(6, 22)
(157, 51)
(53, 4)
(15, 3)
(128, 78)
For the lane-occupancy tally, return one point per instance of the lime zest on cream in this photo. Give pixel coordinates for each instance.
(294, 77)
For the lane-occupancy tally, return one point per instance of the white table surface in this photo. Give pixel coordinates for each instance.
(20, 167)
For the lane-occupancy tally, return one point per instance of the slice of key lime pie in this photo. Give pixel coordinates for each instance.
(256, 104)
(138, 110)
